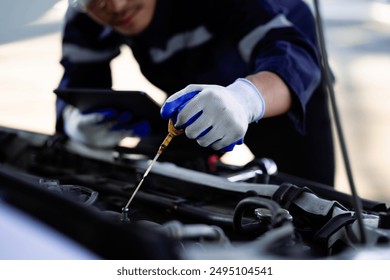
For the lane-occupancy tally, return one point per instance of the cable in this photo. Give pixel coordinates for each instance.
(328, 79)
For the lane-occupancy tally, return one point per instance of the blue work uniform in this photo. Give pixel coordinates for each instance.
(216, 42)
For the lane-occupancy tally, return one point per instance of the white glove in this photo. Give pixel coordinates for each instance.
(216, 116)
(101, 129)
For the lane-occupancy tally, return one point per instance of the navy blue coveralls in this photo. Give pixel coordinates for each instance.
(215, 42)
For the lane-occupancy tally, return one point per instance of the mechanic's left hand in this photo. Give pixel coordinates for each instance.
(215, 116)
(103, 128)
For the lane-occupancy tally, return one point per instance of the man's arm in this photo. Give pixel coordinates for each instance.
(86, 56)
(276, 94)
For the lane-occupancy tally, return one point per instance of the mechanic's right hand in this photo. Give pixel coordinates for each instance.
(103, 128)
(216, 116)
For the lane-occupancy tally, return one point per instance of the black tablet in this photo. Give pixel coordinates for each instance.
(138, 103)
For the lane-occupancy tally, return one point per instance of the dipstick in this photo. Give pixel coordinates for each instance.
(172, 132)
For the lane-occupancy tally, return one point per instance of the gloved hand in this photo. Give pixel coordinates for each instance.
(215, 116)
(102, 128)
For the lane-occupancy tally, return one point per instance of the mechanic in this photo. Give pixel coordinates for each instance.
(232, 69)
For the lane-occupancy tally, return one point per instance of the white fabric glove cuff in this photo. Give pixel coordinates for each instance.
(250, 97)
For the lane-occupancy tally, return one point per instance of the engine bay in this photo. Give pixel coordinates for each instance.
(248, 212)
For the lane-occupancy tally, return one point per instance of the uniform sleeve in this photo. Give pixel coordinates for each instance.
(87, 50)
(279, 36)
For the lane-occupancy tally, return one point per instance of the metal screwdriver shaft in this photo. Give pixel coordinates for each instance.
(172, 132)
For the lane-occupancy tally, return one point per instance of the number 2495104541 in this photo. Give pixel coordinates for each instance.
(240, 270)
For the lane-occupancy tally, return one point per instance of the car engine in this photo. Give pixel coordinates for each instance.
(247, 212)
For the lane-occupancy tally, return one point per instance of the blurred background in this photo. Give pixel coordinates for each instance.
(357, 34)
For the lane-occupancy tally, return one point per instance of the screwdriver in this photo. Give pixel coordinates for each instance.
(172, 132)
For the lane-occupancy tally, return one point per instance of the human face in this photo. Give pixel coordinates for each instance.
(129, 17)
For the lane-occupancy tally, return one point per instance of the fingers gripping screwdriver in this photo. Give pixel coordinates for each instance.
(172, 132)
